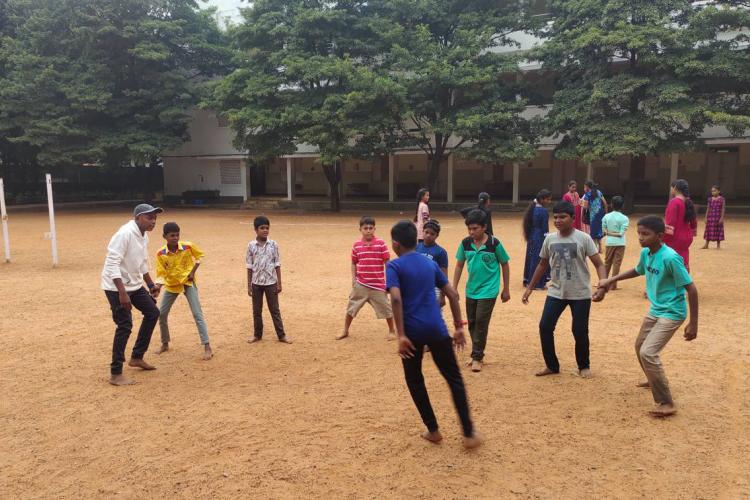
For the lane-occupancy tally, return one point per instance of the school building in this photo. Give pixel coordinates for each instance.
(209, 168)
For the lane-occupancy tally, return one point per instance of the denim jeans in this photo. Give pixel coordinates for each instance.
(167, 300)
(142, 301)
(553, 308)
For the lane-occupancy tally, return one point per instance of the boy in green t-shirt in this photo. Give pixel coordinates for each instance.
(614, 225)
(485, 256)
(667, 280)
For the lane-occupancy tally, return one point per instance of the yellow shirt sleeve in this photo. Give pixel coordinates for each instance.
(197, 252)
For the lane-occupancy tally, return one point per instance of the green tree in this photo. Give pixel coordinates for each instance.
(459, 83)
(306, 74)
(620, 87)
(720, 62)
(105, 81)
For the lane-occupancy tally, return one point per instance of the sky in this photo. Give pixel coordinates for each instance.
(226, 7)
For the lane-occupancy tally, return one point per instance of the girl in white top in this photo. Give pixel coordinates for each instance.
(422, 214)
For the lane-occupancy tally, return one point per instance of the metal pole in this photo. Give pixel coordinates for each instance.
(4, 213)
(52, 230)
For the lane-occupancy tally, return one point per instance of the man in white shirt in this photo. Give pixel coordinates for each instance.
(125, 271)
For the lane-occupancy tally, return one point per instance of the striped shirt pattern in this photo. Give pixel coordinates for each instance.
(370, 259)
(263, 259)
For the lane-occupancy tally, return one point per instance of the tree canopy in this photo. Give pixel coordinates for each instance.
(103, 82)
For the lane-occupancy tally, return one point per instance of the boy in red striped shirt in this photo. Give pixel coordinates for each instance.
(369, 257)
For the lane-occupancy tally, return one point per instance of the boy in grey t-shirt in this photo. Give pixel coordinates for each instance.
(565, 252)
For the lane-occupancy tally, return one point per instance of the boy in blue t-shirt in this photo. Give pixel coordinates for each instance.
(411, 280)
(429, 248)
(667, 280)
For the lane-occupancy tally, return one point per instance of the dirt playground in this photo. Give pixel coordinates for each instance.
(327, 419)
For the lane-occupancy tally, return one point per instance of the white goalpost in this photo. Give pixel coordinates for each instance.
(4, 214)
(52, 235)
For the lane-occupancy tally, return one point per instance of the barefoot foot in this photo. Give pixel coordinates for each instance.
(476, 366)
(585, 373)
(545, 372)
(391, 336)
(164, 348)
(663, 410)
(120, 380)
(472, 441)
(342, 336)
(207, 353)
(139, 363)
(432, 437)
(285, 340)
(253, 340)
(643, 385)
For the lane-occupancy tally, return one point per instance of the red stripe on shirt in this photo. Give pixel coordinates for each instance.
(370, 260)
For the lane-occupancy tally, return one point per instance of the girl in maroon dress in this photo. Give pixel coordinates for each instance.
(573, 197)
(715, 218)
(681, 221)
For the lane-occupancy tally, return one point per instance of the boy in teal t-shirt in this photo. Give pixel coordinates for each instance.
(484, 256)
(614, 225)
(667, 280)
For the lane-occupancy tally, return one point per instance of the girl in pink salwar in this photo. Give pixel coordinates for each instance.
(681, 221)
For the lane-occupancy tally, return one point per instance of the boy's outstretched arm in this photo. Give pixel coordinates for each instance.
(601, 271)
(405, 348)
(250, 282)
(541, 268)
(354, 274)
(459, 339)
(620, 277)
(691, 330)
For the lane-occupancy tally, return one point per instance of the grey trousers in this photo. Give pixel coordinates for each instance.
(167, 300)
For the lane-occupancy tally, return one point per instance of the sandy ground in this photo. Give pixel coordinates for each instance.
(329, 419)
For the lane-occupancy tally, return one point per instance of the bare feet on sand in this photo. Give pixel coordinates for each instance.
(342, 336)
(643, 385)
(476, 366)
(432, 437)
(253, 340)
(139, 363)
(163, 348)
(585, 373)
(545, 372)
(121, 380)
(285, 340)
(472, 441)
(207, 353)
(391, 336)
(663, 410)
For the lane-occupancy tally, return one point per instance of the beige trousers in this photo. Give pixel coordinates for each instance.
(653, 337)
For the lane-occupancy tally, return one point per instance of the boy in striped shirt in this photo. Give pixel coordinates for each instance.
(369, 257)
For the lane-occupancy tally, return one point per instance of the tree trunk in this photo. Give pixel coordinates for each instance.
(637, 174)
(433, 172)
(333, 175)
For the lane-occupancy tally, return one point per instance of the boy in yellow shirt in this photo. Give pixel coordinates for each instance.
(176, 264)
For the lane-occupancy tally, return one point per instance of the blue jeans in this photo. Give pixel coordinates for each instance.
(168, 298)
(553, 308)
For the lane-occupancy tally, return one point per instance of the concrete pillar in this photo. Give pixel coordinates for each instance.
(289, 179)
(673, 167)
(391, 178)
(450, 178)
(516, 175)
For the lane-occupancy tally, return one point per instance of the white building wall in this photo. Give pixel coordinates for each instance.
(200, 174)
